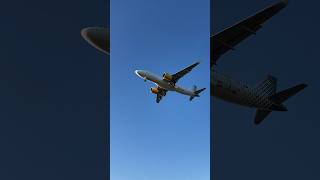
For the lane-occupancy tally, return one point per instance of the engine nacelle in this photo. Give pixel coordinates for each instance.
(167, 77)
(154, 90)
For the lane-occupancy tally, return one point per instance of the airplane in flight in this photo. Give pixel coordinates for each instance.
(263, 96)
(168, 83)
(98, 37)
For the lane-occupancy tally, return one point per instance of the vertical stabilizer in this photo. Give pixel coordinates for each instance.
(285, 94)
(267, 87)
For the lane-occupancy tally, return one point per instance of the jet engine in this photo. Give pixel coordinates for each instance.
(154, 90)
(167, 77)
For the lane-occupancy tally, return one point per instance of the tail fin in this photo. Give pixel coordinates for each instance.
(267, 87)
(278, 99)
(196, 92)
(194, 88)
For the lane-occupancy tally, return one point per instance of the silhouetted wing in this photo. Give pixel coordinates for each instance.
(162, 92)
(227, 39)
(180, 74)
(159, 97)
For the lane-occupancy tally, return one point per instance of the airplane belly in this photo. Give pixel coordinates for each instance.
(165, 85)
(233, 91)
(243, 98)
(227, 96)
(183, 91)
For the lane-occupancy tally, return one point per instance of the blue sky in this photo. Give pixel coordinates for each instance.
(169, 140)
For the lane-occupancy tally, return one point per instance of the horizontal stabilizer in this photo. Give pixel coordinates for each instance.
(196, 93)
(285, 94)
(199, 91)
(261, 115)
(267, 87)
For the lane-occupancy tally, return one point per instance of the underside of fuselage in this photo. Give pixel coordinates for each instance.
(171, 87)
(239, 93)
(263, 96)
(240, 96)
(168, 85)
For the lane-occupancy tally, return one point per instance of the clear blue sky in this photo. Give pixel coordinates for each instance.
(169, 140)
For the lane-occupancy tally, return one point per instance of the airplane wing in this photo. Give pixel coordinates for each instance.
(162, 92)
(180, 74)
(227, 39)
(159, 97)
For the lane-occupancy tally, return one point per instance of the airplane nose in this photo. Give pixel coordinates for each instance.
(139, 73)
(98, 37)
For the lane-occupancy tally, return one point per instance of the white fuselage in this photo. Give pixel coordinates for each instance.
(237, 92)
(163, 83)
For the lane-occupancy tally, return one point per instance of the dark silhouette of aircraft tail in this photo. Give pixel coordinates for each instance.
(267, 87)
(278, 99)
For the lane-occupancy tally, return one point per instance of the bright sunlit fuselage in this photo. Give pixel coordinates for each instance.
(145, 75)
